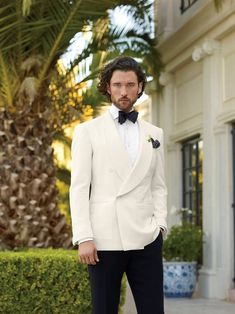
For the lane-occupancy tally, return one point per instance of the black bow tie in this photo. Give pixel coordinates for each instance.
(132, 116)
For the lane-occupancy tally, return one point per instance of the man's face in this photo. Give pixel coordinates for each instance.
(124, 89)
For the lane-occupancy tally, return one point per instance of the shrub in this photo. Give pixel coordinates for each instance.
(184, 243)
(44, 281)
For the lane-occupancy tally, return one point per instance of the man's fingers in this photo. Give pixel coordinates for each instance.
(96, 257)
(88, 259)
(92, 261)
(82, 259)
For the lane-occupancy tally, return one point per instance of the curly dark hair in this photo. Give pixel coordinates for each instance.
(124, 64)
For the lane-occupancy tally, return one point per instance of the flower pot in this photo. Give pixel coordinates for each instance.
(179, 279)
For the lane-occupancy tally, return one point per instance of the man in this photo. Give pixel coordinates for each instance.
(118, 195)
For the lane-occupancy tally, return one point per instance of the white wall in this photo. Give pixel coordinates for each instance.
(199, 98)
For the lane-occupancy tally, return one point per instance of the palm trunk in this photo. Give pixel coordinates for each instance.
(29, 215)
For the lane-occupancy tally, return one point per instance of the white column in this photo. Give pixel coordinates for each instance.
(151, 91)
(173, 150)
(164, 27)
(223, 209)
(169, 26)
(214, 275)
(207, 282)
(166, 102)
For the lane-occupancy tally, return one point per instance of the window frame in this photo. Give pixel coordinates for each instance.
(192, 190)
(184, 7)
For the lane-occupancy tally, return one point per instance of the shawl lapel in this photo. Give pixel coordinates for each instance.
(142, 163)
(130, 175)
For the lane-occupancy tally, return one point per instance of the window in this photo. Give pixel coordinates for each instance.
(192, 180)
(186, 4)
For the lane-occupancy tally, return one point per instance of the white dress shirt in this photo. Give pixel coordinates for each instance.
(129, 133)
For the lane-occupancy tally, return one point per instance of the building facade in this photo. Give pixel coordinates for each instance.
(197, 111)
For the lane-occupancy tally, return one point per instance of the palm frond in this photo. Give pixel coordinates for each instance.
(5, 84)
(26, 6)
(60, 136)
(45, 28)
(63, 175)
(36, 35)
(59, 38)
(135, 40)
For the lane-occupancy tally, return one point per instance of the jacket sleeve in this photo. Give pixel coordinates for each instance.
(80, 185)
(159, 190)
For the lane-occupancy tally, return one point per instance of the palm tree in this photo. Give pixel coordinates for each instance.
(34, 34)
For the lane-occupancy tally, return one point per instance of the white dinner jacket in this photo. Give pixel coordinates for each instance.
(126, 204)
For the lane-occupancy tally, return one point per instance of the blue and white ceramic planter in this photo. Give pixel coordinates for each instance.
(179, 279)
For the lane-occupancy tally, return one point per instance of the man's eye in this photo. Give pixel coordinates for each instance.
(117, 84)
(131, 84)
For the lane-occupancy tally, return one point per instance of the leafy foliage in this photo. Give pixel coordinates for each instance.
(33, 39)
(45, 281)
(63, 198)
(184, 243)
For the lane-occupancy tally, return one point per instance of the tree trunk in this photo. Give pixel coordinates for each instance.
(29, 216)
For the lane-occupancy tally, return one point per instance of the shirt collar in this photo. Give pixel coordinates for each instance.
(114, 111)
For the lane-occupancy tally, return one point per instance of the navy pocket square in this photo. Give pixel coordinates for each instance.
(155, 143)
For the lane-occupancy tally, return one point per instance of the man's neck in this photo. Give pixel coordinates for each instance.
(132, 108)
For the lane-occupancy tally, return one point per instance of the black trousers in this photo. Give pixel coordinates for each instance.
(144, 272)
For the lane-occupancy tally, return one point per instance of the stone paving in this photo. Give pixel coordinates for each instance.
(198, 306)
(187, 306)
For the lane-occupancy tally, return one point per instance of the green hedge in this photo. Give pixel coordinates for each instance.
(44, 281)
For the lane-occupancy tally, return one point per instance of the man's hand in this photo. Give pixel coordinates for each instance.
(87, 253)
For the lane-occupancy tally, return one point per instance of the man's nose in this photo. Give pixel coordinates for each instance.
(123, 91)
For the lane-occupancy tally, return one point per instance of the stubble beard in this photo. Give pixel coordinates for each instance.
(119, 104)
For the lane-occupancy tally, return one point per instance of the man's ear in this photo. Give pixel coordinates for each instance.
(108, 89)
